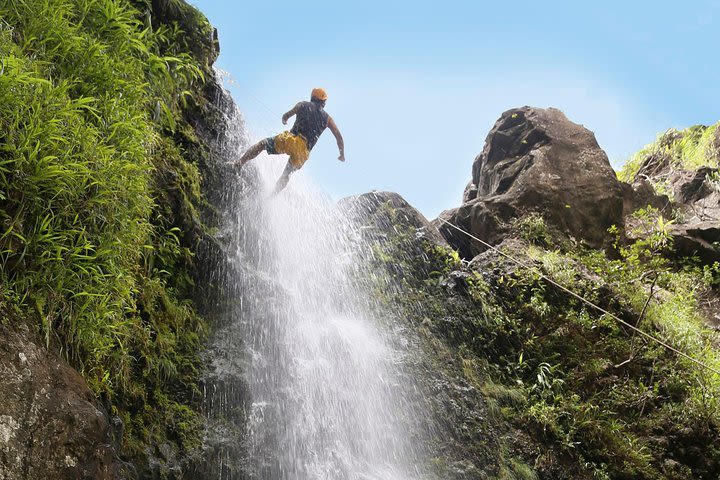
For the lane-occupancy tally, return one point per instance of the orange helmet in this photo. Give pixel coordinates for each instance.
(318, 94)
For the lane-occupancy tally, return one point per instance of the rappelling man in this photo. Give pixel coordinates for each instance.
(310, 122)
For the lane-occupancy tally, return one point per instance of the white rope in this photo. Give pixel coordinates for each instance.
(588, 302)
(274, 114)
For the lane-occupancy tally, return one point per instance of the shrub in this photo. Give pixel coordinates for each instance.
(88, 96)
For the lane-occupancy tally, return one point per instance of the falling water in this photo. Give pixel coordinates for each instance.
(324, 373)
(307, 379)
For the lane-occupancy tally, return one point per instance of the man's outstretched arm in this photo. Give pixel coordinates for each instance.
(338, 136)
(290, 113)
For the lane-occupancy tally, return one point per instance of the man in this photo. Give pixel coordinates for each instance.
(310, 122)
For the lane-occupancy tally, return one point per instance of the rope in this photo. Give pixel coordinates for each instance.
(588, 302)
(263, 104)
(274, 114)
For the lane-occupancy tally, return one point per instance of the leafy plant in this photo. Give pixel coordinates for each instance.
(90, 97)
(686, 149)
(533, 228)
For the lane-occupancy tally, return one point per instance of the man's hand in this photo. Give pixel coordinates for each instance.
(340, 143)
(292, 112)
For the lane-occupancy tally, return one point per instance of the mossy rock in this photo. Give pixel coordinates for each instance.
(200, 37)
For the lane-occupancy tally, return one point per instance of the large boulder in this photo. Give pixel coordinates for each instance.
(536, 159)
(387, 211)
(51, 426)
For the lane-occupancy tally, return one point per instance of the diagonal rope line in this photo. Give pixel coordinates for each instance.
(273, 114)
(588, 302)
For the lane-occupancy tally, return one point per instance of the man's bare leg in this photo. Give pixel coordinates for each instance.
(252, 152)
(284, 178)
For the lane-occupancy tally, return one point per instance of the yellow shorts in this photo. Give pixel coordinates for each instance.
(293, 145)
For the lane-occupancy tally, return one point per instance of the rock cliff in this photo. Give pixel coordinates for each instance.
(536, 160)
(682, 167)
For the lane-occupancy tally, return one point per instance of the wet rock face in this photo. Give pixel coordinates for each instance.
(537, 160)
(50, 425)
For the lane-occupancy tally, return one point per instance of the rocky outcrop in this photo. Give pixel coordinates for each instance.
(641, 194)
(475, 321)
(699, 240)
(465, 436)
(697, 205)
(537, 160)
(385, 210)
(445, 308)
(694, 203)
(51, 426)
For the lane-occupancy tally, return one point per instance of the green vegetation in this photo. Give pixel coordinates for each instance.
(91, 99)
(571, 392)
(533, 229)
(625, 406)
(686, 149)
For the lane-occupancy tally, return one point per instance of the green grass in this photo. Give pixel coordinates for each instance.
(89, 100)
(685, 149)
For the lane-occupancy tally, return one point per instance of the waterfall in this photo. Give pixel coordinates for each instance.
(307, 377)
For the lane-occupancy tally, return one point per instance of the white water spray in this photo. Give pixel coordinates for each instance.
(328, 398)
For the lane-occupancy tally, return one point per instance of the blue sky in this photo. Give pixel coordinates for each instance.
(415, 86)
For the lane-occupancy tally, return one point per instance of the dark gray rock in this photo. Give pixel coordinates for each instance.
(641, 194)
(695, 204)
(387, 211)
(537, 160)
(700, 240)
(484, 219)
(470, 192)
(51, 426)
(696, 194)
(690, 186)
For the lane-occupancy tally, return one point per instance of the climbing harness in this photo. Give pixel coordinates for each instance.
(586, 301)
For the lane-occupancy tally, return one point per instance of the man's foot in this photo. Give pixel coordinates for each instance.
(250, 153)
(236, 166)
